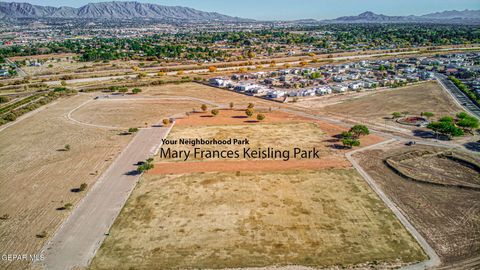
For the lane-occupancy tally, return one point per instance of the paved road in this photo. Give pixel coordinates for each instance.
(458, 95)
(433, 260)
(80, 236)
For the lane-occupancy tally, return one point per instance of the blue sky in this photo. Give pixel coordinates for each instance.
(297, 9)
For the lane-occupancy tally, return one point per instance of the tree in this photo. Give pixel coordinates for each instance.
(405, 113)
(249, 112)
(348, 142)
(359, 130)
(166, 121)
(251, 54)
(63, 83)
(427, 114)
(67, 147)
(161, 73)
(4, 99)
(141, 75)
(231, 105)
(132, 130)
(145, 166)
(396, 115)
(123, 90)
(215, 112)
(136, 90)
(10, 117)
(462, 115)
(260, 117)
(251, 105)
(446, 128)
(212, 69)
(180, 72)
(204, 107)
(83, 187)
(468, 123)
(446, 119)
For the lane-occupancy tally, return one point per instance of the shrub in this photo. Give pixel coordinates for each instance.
(260, 117)
(83, 187)
(249, 112)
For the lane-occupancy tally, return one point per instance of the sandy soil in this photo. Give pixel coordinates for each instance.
(248, 166)
(131, 113)
(449, 218)
(378, 105)
(206, 92)
(220, 220)
(36, 176)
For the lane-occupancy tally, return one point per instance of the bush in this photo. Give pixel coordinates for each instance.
(215, 112)
(42, 234)
(249, 112)
(132, 130)
(166, 121)
(260, 117)
(204, 107)
(4, 99)
(136, 90)
(83, 187)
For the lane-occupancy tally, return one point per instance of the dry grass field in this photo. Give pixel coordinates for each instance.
(448, 217)
(377, 105)
(229, 220)
(36, 175)
(206, 92)
(307, 135)
(132, 112)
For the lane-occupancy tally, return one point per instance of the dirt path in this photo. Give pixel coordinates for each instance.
(78, 239)
(247, 165)
(433, 260)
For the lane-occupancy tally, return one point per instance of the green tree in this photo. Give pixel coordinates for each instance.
(132, 130)
(251, 105)
(249, 112)
(427, 114)
(260, 117)
(350, 142)
(231, 105)
(359, 130)
(67, 147)
(204, 107)
(215, 112)
(136, 90)
(396, 115)
(468, 123)
(83, 187)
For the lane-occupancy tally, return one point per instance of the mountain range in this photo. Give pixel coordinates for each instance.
(114, 10)
(453, 16)
(117, 10)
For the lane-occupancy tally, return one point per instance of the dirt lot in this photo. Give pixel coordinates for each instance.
(132, 112)
(219, 220)
(448, 217)
(249, 166)
(206, 92)
(36, 175)
(374, 107)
